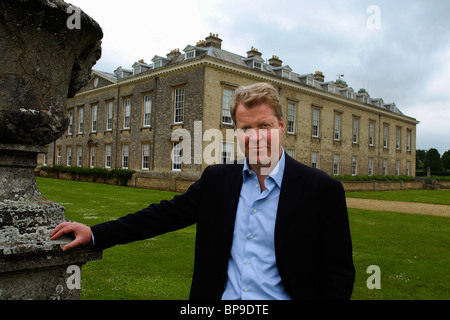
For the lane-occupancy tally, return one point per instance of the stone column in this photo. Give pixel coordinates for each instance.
(43, 61)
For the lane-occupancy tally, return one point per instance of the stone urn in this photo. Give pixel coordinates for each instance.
(43, 61)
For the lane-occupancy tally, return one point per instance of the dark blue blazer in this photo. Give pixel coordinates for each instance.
(313, 246)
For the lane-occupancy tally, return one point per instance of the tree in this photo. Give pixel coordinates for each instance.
(420, 158)
(433, 161)
(446, 160)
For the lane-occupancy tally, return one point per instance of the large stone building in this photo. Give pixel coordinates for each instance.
(126, 119)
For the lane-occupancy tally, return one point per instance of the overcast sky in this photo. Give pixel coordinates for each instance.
(398, 50)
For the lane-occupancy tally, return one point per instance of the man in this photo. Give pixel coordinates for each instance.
(271, 228)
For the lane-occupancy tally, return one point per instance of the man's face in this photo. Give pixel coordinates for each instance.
(259, 132)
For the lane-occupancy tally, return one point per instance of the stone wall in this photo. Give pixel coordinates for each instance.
(354, 186)
(180, 182)
(164, 181)
(444, 184)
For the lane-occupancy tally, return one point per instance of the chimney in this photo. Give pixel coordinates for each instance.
(275, 62)
(173, 54)
(319, 76)
(253, 53)
(213, 41)
(341, 83)
(201, 44)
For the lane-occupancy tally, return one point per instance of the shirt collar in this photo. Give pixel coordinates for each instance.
(276, 174)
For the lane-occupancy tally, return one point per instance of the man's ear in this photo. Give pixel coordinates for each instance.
(282, 127)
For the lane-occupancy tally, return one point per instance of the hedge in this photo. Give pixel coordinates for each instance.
(440, 178)
(124, 174)
(437, 173)
(120, 174)
(373, 178)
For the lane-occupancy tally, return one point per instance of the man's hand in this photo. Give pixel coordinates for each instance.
(82, 234)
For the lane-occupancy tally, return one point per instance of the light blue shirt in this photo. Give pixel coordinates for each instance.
(252, 270)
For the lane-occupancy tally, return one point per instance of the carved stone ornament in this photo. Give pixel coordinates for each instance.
(42, 63)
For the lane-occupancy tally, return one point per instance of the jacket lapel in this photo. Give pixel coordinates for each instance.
(232, 189)
(290, 195)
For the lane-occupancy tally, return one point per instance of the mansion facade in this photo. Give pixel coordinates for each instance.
(127, 119)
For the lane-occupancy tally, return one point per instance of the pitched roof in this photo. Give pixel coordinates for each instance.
(229, 57)
(106, 75)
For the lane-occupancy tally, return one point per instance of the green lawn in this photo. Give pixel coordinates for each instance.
(412, 251)
(425, 196)
(158, 268)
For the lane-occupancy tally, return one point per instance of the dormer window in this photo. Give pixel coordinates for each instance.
(310, 81)
(157, 64)
(363, 96)
(140, 67)
(190, 54)
(349, 93)
(137, 70)
(254, 59)
(328, 86)
(121, 73)
(257, 65)
(390, 107)
(284, 72)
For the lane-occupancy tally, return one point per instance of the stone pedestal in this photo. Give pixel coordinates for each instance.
(43, 62)
(44, 274)
(31, 265)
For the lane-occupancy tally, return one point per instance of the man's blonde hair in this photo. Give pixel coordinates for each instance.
(254, 95)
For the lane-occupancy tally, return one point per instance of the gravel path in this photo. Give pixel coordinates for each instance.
(399, 206)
